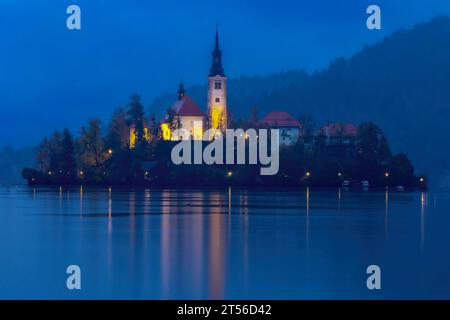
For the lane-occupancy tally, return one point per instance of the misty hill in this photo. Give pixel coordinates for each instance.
(401, 83)
(12, 161)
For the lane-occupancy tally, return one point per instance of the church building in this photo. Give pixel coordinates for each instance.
(217, 91)
(186, 114)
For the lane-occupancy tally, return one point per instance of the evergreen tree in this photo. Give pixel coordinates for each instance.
(67, 156)
(118, 136)
(55, 160)
(91, 151)
(43, 155)
(136, 117)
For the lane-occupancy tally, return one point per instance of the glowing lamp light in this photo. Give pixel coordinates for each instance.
(421, 179)
(339, 174)
(229, 173)
(110, 151)
(308, 173)
(386, 174)
(49, 173)
(81, 173)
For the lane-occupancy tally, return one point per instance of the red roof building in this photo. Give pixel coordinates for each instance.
(289, 127)
(188, 115)
(186, 107)
(277, 119)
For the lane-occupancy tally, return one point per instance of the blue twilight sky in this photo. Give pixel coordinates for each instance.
(51, 77)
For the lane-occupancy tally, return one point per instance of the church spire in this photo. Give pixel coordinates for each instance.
(217, 68)
(181, 90)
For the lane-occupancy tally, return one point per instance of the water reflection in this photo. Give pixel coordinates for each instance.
(81, 200)
(423, 203)
(386, 211)
(195, 255)
(192, 244)
(339, 198)
(165, 246)
(307, 216)
(216, 249)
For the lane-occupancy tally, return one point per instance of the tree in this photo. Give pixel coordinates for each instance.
(91, 150)
(401, 170)
(43, 155)
(373, 153)
(308, 126)
(153, 128)
(118, 136)
(67, 157)
(372, 143)
(173, 120)
(55, 156)
(136, 117)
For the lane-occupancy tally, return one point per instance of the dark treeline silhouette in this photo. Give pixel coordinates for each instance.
(109, 157)
(400, 83)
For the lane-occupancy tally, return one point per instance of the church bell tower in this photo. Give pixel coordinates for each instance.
(217, 91)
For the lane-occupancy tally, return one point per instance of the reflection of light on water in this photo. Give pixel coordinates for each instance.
(307, 199)
(339, 198)
(165, 246)
(307, 216)
(60, 199)
(34, 192)
(229, 200)
(386, 213)
(216, 253)
(196, 255)
(423, 203)
(109, 208)
(165, 254)
(81, 200)
(246, 250)
(109, 230)
(147, 202)
(243, 202)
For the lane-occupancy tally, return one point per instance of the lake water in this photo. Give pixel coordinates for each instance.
(229, 243)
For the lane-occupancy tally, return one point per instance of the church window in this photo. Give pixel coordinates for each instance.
(217, 100)
(217, 85)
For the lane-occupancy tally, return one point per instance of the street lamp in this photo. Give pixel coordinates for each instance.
(307, 173)
(229, 173)
(386, 174)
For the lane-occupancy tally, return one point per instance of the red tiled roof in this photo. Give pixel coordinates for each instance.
(279, 119)
(187, 107)
(336, 129)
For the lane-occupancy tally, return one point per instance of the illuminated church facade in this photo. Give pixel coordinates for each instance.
(186, 114)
